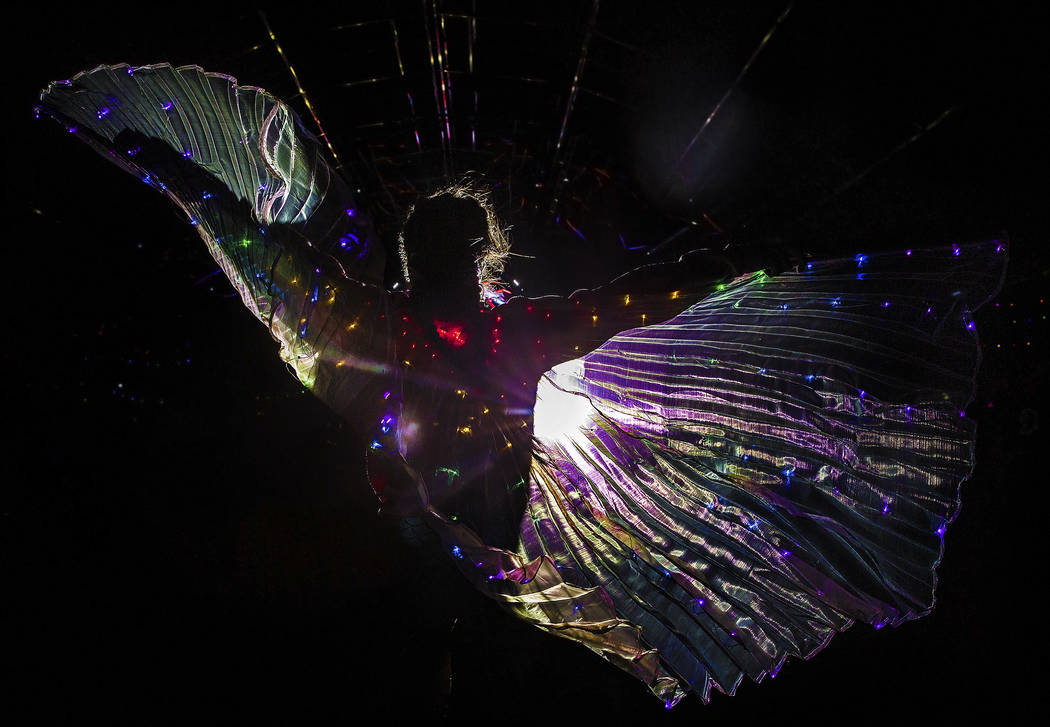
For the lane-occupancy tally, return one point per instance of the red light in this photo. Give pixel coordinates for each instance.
(451, 333)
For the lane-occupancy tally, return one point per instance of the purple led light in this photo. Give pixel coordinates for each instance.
(351, 212)
(187, 154)
(885, 508)
(886, 304)
(956, 250)
(167, 105)
(907, 253)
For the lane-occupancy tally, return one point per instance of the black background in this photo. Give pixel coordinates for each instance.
(190, 534)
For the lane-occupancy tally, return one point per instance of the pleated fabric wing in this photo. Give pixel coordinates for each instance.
(276, 217)
(715, 493)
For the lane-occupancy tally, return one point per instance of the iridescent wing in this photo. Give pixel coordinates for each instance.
(280, 222)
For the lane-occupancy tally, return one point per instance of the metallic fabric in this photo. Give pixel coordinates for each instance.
(694, 499)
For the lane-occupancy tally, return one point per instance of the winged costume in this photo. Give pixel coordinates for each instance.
(694, 472)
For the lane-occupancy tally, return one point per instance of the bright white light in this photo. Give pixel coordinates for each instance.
(559, 414)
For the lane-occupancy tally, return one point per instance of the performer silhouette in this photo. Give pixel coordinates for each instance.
(695, 471)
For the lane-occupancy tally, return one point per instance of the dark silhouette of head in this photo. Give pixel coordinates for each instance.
(451, 248)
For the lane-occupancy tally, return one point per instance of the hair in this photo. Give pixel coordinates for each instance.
(441, 219)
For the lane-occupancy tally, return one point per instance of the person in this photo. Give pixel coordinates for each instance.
(695, 471)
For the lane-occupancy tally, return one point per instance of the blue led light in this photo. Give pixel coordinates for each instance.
(456, 551)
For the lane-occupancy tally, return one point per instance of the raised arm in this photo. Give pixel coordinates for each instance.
(561, 328)
(279, 221)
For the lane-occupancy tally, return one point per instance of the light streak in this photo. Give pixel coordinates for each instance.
(732, 87)
(302, 91)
